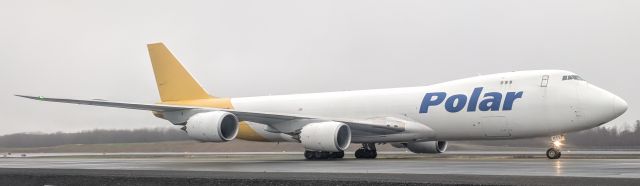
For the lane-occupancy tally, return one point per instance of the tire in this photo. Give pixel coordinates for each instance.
(337, 155)
(309, 155)
(359, 153)
(366, 154)
(324, 155)
(553, 153)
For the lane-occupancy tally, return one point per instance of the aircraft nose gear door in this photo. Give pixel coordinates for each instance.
(495, 127)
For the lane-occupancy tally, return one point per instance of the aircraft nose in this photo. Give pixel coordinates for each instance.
(599, 106)
(619, 106)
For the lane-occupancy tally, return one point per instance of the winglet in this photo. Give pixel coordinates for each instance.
(174, 82)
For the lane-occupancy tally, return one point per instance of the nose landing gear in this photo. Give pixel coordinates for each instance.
(556, 143)
(553, 153)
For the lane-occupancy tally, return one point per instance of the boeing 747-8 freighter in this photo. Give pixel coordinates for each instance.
(508, 105)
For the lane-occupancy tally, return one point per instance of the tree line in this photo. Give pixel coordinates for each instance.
(597, 137)
(98, 136)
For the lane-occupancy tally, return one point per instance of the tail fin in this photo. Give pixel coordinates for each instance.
(173, 80)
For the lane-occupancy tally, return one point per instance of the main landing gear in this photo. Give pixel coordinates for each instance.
(556, 143)
(367, 151)
(321, 155)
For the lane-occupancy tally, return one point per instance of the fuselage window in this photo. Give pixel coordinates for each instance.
(572, 77)
(576, 77)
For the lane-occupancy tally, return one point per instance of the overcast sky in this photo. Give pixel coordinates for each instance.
(97, 49)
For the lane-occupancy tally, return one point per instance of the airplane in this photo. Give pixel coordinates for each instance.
(512, 105)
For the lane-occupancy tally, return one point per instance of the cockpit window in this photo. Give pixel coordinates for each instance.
(572, 77)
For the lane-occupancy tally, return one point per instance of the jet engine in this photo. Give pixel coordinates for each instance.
(216, 126)
(326, 136)
(427, 147)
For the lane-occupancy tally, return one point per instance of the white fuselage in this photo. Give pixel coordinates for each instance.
(504, 106)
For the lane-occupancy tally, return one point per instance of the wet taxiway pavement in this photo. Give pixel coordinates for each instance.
(390, 163)
(518, 167)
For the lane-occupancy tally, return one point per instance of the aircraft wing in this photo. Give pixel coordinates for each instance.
(358, 126)
(104, 103)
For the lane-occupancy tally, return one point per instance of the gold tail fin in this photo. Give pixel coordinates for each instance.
(173, 80)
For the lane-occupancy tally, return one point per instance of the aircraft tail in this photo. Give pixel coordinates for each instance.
(174, 82)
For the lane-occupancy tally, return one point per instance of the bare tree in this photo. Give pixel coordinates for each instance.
(594, 138)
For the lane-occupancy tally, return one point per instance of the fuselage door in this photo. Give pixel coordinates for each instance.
(545, 81)
(495, 126)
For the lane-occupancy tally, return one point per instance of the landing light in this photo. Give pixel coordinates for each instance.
(557, 143)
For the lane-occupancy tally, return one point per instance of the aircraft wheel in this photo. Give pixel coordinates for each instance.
(337, 154)
(320, 155)
(359, 154)
(310, 155)
(553, 153)
(366, 154)
(325, 155)
(373, 154)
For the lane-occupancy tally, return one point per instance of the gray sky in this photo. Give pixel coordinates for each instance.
(97, 49)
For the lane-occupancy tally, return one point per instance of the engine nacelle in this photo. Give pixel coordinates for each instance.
(216, 126)
(326, 136)
(427, 147)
